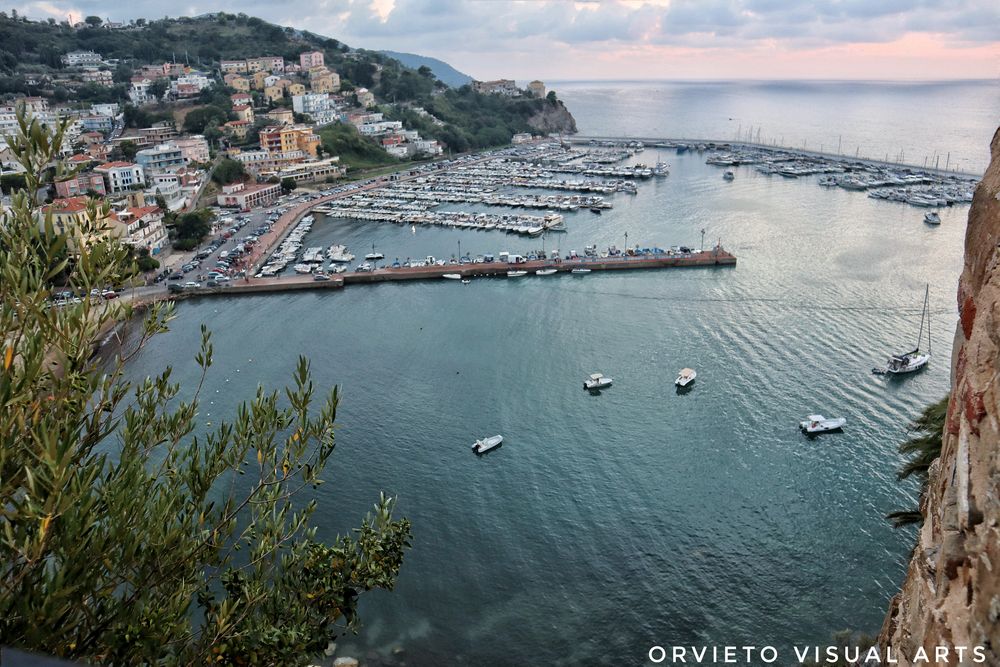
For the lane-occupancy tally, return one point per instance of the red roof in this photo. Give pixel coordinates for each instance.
(79, 158)
(68, 205)
(113, 165)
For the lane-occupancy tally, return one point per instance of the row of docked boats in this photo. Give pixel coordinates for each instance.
(288, 251)
(528, 225)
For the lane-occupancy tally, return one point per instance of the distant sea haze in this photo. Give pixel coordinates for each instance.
(945, 123)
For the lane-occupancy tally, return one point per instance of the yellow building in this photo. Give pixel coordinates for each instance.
(257, 80)
(296, 89)
(325, 84)
(286, 139)
(274, 93)
(70, 215)
(244, 112)
(281, 116)
(239, 83)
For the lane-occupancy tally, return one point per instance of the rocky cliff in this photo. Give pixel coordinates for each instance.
(951, 595)
(553, 118)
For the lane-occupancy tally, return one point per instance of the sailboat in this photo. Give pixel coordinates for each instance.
(374, 255)
(900, 364)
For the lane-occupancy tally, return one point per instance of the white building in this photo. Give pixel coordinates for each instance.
(311, 103)
(198, 81)
(144, 228)
(81, 58)
(121, 176)
(193, 148)
(110, 109)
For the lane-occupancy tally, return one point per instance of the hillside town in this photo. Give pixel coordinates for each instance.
(238, 134)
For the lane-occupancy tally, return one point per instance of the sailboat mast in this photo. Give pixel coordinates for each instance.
(923, 314)
(927, 305)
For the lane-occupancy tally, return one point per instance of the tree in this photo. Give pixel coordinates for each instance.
(131, 536)
(157, 88)
(551, 97)
(128, 149)
(228, 171)
(288, 184)
(923, 447)
(93, 21)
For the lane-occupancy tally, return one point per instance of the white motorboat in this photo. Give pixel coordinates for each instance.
(729, 175)
(486, 444)
(452, 276)
(338, 253)
(516, 274)
(545, 272)
(932, 218)
(596, 381)
(303, 268)
(820, 424)
(466, 281)
(914, 360)
(580, 271)
(685, 377)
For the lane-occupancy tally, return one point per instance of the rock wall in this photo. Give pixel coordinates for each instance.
(553, 118)
(951, 594)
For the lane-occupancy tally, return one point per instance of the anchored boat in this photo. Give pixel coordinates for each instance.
(596, 381)
(486, 444)
(914, 360)
(685, 377)
(820, 424)
(545, 272)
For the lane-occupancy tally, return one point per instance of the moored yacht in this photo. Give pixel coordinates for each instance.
(932, 218)
(580, 270)
(914, 360)
(545, 272)
(516, 274)
(452, 276)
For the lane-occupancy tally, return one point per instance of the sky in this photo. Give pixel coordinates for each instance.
(633, 39)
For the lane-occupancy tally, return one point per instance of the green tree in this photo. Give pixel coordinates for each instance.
(131, 533)
(923, 448)
(228, 171)
(128, 149)
(93, 21)
(288, 184)
(158, 87)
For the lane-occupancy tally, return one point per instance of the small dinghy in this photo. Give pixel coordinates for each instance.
(685, 377)
(580, 271)
(820, 424)
(596, 381)
(466, 281)
(545, 272)
(932, 218)
(486, 444)
(516, 274)
(452, 276)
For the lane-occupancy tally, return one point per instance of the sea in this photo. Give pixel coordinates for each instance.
(608, 524)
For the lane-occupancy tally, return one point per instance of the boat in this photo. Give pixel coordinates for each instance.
(580, 270)
(596, 381)
(466, 281)
(303, 268)
(932, 218)
(685, 377)
(486, 444)
(338, 253)
(516, 274)
(914, 360)
(729, 175)
(545, 272)
(373, 255)
(820, 424)
(452, 276)
(594, 209)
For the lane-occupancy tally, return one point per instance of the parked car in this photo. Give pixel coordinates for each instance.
(320, 277)
(176, 276)
(191, 284)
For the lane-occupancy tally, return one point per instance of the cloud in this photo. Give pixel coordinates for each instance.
(546, 32)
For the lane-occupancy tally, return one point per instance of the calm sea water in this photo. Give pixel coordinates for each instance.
(945, 123)
(606, 524)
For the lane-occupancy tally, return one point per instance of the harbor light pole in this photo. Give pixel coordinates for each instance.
(460, 251)
(703, 239)
(626, 243)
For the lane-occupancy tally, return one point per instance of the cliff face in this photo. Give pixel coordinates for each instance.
(553, 118)
(951, 595)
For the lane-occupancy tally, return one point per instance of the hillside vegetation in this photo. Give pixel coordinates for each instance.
(470, 120)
